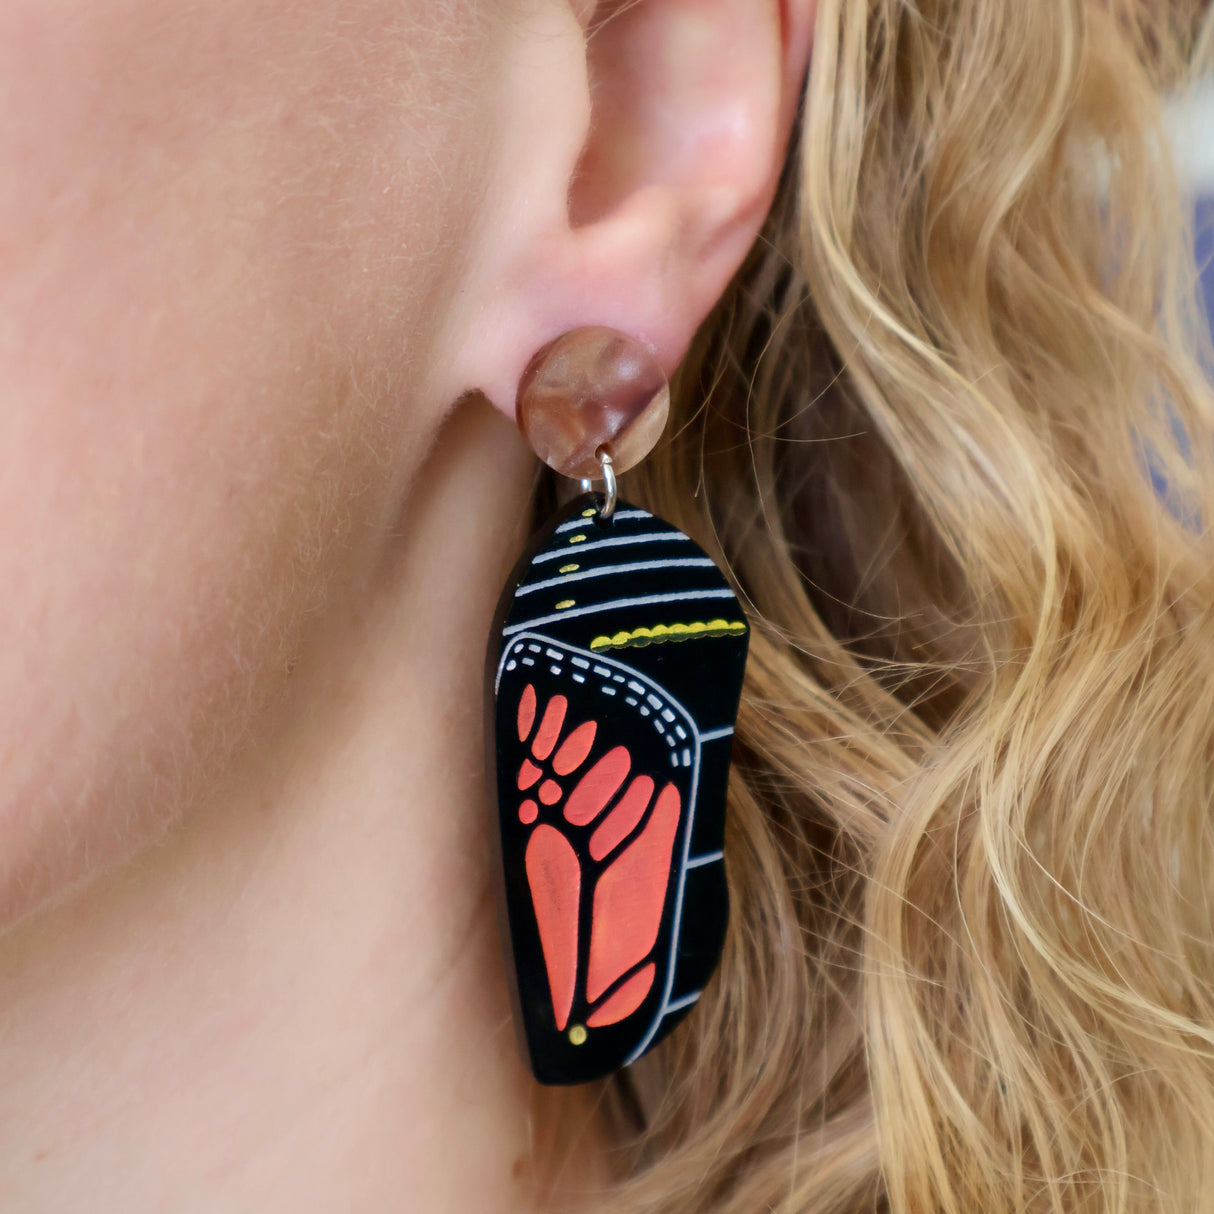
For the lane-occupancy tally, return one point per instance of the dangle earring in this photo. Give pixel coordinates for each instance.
(614, 670)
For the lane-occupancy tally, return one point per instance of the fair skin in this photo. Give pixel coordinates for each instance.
(253, 258)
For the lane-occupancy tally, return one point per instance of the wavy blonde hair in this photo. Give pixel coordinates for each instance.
(970, 849)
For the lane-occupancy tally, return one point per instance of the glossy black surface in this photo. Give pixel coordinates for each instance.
(639, 632)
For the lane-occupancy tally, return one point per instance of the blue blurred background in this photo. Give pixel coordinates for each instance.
(1192, 124)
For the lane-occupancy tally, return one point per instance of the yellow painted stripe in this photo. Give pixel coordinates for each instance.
(563, 604)
(569, 569)
(668, 632)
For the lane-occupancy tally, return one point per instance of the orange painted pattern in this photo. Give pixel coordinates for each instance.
(555, 878)
(575, 748)
(622, 821)
(550, 727)
(630, 893)
(625, 1001)
(629, 897)
(526, 712)
(592, 792)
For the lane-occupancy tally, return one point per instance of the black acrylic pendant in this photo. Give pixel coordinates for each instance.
(615, 666)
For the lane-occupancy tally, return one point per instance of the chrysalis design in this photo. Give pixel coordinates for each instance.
(615, 668)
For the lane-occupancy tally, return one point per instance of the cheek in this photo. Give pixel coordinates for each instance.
(216, 252)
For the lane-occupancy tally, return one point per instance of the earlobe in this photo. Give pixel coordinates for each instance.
(690, 106)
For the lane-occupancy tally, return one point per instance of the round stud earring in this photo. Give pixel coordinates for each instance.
(593, 391)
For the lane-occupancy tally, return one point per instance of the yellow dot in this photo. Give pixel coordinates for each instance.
(577, 539)
(563, 604)
(569, 568)
(577, 1035)
(588, 513)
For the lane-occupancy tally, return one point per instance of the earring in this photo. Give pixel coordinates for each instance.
(614, 671)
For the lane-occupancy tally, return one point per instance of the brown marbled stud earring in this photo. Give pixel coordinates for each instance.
(593, 391)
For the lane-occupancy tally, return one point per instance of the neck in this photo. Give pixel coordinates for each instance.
(297, 1001)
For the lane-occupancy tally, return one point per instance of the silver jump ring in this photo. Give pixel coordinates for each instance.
(607, 509)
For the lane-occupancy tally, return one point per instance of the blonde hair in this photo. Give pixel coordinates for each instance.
(950, 432)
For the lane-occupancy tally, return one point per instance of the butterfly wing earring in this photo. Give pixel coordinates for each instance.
(614, 671)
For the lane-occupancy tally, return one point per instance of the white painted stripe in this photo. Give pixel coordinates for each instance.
(701, 562)
(679, 1004)
(642, 601)
(713, 734)
(577, 550)
(666, 1006)
(708, 857)
(581, 522)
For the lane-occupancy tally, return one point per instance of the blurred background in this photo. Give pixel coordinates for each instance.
(1192, 122)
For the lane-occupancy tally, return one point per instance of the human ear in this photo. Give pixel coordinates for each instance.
(642, 163)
